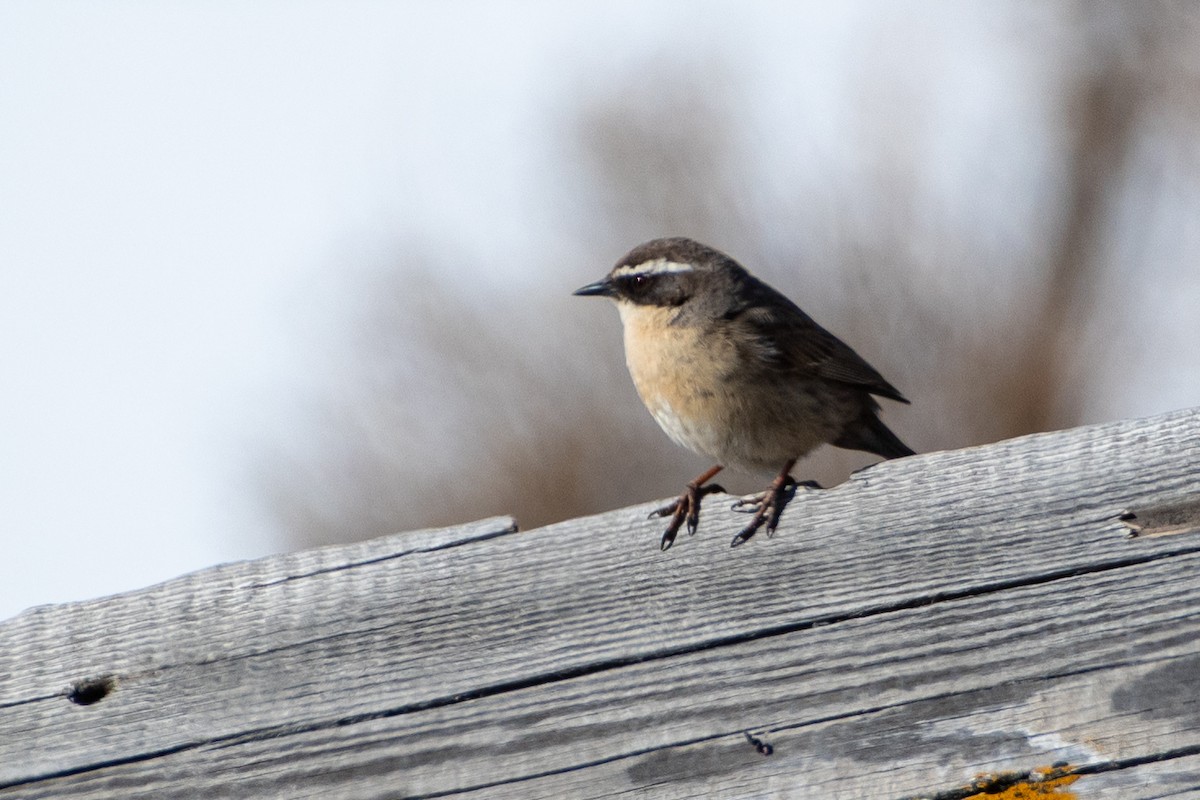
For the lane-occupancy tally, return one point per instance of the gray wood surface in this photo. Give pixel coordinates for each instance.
(934, 619)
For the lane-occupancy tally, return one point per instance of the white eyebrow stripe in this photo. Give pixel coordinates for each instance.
(656, 266)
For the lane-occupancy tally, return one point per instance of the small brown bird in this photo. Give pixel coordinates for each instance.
(733, 370)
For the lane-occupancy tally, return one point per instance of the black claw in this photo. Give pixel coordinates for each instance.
(786, 493)
(745, 533)
(685, 509)
(665, 511)
(767, 511)
(677, 510)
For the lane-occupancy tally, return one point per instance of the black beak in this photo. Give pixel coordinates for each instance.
(602, 288)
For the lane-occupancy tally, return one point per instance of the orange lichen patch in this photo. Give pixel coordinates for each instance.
(1043, 783)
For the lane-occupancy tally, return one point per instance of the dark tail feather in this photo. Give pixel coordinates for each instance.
(870, 434)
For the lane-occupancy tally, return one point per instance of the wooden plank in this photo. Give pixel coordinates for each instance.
(420, 666)
(909, 694)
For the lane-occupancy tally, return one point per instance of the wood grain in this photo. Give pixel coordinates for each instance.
(930, 620)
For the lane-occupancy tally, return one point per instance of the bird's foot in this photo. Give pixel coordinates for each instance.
(767, 506)
(751, 503)
(686, 507)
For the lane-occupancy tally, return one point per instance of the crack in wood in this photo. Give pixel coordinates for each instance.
(348, 565)
(30, 700)
(1163, 519)
(106, 764)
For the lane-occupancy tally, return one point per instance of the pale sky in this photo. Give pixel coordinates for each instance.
(176, 178)
(184, 184)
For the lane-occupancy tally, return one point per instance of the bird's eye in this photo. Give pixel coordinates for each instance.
(640, 280)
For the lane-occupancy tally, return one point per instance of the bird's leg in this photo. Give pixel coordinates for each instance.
(770, 507)
(686, 506)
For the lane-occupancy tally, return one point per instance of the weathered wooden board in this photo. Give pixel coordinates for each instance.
(967, 612)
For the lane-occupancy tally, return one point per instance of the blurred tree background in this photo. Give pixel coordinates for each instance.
(1005, 282)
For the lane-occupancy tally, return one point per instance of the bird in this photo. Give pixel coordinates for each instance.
(733, 370)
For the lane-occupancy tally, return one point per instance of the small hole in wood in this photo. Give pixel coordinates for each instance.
(91, 690)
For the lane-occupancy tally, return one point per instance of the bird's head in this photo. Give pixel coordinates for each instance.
(674, 273)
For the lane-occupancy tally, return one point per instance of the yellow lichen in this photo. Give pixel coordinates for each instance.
(1044, 783)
